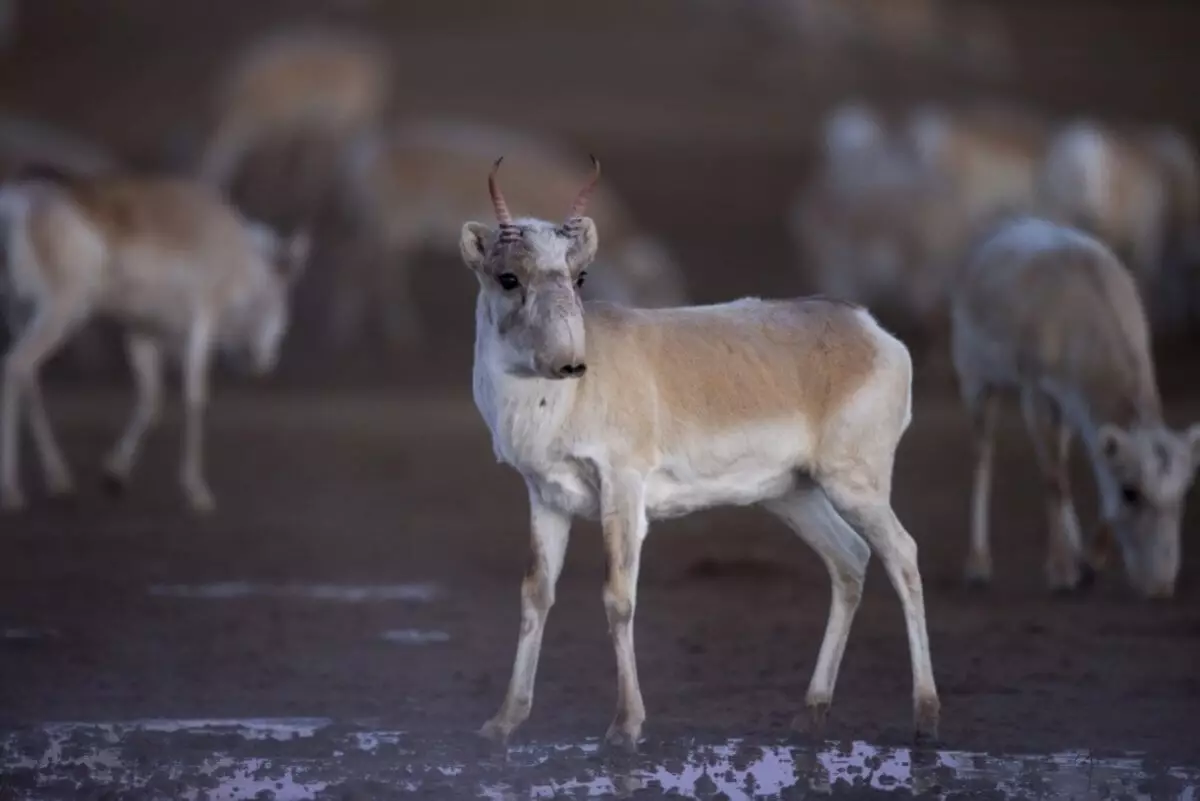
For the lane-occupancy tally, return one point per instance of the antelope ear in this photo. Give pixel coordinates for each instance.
(585, 241)
(473, 244)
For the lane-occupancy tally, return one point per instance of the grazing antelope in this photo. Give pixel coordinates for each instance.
(414, 185)
(629, 415)
(172, 262)
(1049, 313)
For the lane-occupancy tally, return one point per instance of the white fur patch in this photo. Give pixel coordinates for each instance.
(751, 463)
(549, 246)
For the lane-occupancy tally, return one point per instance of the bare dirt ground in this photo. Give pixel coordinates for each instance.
(386, 486)
(387, 490)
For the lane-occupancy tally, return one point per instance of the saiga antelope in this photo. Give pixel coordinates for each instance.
(1138, 190)
(1050, 314)
(172, 262)
(629, 415)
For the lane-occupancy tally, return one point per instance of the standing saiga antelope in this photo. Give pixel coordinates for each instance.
(171, 261)
(628, 415)
(1050, 314)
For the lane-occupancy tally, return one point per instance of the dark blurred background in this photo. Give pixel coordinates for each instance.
(707, 116)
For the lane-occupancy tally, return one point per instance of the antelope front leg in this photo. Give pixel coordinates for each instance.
(145, 358)
(551, 530)
(623, 517)
(979, 556)
(1052, 440)
(195, 397)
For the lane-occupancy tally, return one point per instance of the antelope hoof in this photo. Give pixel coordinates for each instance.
(12, 500)
(495, 731)
(112, 483)
(1064, 581)
(622, 738)
(60, 487)
(200, 498)
(818, 717)
(926, 713)
(978, 573)
(1087, 576)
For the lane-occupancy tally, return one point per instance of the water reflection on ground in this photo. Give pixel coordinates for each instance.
(316, 758)
(343, 593)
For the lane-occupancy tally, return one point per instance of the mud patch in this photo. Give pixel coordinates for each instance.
(316, 758)
(746, 568)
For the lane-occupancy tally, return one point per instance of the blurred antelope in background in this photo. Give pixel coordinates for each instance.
(308, 93)
(27, 140)
(627, 415)
(1138, 190)
(414, 184)
(806, 37)
(174, 264)
(855, 223)
(1049, 314)
(897, 198)
(986, 155)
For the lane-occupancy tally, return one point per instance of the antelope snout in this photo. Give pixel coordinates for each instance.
(570, 370)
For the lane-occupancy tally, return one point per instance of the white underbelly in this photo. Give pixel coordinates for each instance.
(736, 469)
(672, 493)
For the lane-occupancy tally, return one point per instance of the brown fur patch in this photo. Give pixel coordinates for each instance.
(169, 211)
(779, 360)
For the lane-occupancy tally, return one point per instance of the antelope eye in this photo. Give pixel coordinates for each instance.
(1131, 495)
(582, 276)
(508, 281)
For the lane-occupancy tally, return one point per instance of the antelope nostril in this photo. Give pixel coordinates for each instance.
(572, 370)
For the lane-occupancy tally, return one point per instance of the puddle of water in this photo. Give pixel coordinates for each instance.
(414, 636)
(343, 593)
(307, 758)
(28, 634)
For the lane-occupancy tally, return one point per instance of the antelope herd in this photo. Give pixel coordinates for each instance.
(1039, 254)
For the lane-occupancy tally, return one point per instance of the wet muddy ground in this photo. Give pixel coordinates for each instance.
(364, 564)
